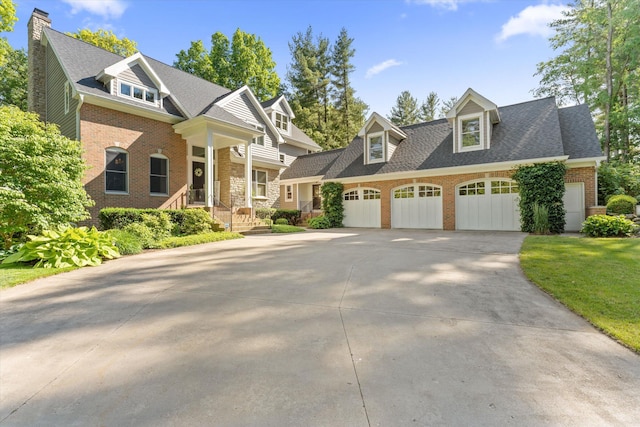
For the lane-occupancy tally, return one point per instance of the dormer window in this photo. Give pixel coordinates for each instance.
(375, 147)
(471, 131)
(282, 122)
(128, 90)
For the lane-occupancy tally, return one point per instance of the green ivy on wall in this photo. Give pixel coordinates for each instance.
(541, 183)
(332, 202)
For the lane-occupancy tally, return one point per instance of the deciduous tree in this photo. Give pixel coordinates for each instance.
(7, 19)
(107, 40)
(13, 79)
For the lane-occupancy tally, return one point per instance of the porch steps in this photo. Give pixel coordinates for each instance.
(246, 224)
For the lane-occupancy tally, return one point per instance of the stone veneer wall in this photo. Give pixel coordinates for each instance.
(237, 187)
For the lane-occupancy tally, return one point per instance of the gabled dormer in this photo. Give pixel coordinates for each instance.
(280, 113)
(134, 79)
(472, 119)
(380, 138)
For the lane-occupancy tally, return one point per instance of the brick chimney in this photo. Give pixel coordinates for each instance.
(37, 84)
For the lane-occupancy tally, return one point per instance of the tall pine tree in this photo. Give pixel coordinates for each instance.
(406, 111)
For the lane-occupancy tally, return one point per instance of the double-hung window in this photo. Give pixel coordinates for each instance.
(289, 193)
(116, 170)
(159, 175)
(471, 130)
(375, 147)
(282, 122)
(259, 184)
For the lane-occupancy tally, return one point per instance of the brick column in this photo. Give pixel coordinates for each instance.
(224, 175)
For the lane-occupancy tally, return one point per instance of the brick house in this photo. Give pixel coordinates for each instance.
(453, 173)
(157, 137)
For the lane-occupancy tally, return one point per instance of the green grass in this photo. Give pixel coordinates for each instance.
(277, 228)
(197, 239)
(597, 278)
(15, 274)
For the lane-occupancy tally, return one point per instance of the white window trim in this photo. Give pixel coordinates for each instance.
(159, 156)
(119, 150)
(368, 147)
(257, 139)
(254, 185)
(284, 118)
(287, 193)
(145, 89)
(482, 145)
(67, 97)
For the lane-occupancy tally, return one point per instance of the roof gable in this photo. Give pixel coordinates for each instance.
(280, 101)
(114, 70)
(471, 96)
(385, 124)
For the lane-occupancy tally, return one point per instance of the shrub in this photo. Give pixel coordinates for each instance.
(608, 226)
(265, 213)
(282, 221)
(159, 224)
(195, 221)
(286, 229)
(541, 183)
(66, 247)
(319, 222)
(126, 242)
(142, 232)
(540, 219)
(196, 239)
(621, 204)
(332, 203)
(121, 217)
(291, 215)
(617, 179)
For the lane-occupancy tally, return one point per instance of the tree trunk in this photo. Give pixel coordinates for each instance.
(609, 83)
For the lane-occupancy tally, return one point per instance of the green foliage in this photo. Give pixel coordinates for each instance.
(4, 253)
(244, 61)
(106, 40)
(7, 19)
(197, 239)
(621, 204)
(13, 79)
(540, 219)
(406, 111)
(284, 228)
(182, 221)
(66, 247)
(319, 222)
(159, 224)
(608, 226)
(618, 179)
(193, 221)
(282, 221)
(45, 171)
(143, 233)
(541, 183)
(429, 107)
(332, 203)
(126, 242)
(265, 213)
(291, 215)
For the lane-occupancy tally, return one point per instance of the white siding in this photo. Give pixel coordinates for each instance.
(242, 108)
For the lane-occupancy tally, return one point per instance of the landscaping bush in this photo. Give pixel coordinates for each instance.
(332, 203)
(608, 226)
(265, 213)
(142, 232)
(159, 224)
(195, 221)
(66, 247)
(617, 179)
(196, 239)
(540, 219)
(126, 242)
(621, 204)
(291, 215)
(121, 217)
(282, 221)
(319, 222)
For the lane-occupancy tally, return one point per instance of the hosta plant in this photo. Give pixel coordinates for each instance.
(66, 247)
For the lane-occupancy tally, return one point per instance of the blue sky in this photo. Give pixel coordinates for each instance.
(444, 46)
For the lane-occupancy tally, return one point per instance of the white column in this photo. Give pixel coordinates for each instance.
(247, 173)
(208, 167)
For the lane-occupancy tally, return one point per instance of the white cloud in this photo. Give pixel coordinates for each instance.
(443, 4)
(533, 20)
(104, 8)
(378, 68)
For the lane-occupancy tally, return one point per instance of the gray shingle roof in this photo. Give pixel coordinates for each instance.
(529, 130)
(300, 137)
(315, 164)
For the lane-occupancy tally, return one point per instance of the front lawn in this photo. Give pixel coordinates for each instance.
(282, 228)
(597, 278)
(15, 274)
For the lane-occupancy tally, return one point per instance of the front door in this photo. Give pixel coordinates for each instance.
(197, 178)
(317, 197)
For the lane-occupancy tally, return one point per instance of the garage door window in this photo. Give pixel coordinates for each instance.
(351, 195)
(504, 187)
(428, 191)
(474, 189)
(371, 194)
(403, 193)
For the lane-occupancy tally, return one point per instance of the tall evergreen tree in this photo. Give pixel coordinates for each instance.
(429, 107)
(406, 111)
(244, 61)
(447, 105)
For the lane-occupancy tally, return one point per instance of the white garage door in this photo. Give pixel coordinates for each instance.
(361, 208)
(416, 206)
(574, 205)
(490, 204)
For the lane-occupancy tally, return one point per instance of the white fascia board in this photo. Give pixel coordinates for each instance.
(200, 123)
(113, 104)
(587, 161)
(286, 105)
(304, 180)
(245, 89)
(453, 170)
(386, 125)
(471, 94)
(120, 66)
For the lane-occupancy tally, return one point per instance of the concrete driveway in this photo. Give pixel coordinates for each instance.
(337, 328)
